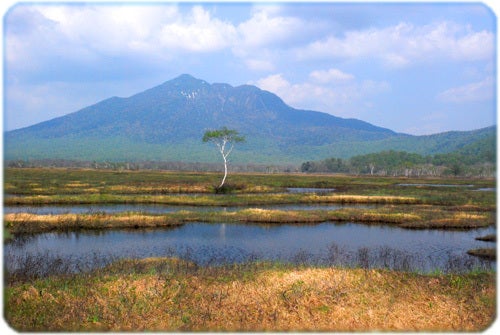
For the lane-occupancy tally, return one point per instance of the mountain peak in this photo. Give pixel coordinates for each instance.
(165, 123)
(187, 79)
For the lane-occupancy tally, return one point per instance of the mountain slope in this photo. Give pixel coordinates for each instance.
(167, 122)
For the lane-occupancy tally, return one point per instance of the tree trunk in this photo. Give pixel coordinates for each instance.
(225, 171)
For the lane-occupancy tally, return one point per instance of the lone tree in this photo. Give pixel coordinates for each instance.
(223, 138)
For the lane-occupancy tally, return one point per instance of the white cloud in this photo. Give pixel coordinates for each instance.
(276, 84)
(331, 75)
(259, 64)
(266, 28)
(94, 31)
(90, 32)
(199, 33)
(405, 44)
(84, 33)
(472, 92)
(340, 98)
(264, 37)
(108, 29)
(300, 95)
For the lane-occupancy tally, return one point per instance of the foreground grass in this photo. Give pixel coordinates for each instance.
(172, 295)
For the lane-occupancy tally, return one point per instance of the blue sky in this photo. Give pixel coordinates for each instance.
(417, 68)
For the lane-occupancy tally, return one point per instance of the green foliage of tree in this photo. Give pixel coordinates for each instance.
(388, 160)
(224, 139)
(335, 165)
(477, 158)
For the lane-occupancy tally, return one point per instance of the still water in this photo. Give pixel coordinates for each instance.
(347, 244)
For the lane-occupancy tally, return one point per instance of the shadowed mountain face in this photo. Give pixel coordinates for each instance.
(167, 122)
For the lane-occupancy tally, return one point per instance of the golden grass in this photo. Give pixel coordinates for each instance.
(9, 186)
(34, 223)
(171, 188)
(309, 299)
(469, 216)
(76, 185)
(386, 199)
(405, 216)
(258, 189)
(89, 196)
(453, 220)
(258, 215)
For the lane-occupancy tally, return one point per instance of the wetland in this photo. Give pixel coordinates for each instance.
(70, 224)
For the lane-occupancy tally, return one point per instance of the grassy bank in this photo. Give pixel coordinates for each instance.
(412, 217)
(32, 223)
(487, 253)
(172, 295)
(207, 200)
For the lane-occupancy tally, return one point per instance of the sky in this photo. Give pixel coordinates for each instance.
(416, 68)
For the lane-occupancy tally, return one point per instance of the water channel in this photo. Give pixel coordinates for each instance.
(347, 244)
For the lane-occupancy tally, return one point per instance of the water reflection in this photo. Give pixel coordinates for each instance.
(347, 244)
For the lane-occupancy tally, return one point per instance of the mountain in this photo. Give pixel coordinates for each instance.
(167, 123)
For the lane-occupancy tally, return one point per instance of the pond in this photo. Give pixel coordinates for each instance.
(347, 244)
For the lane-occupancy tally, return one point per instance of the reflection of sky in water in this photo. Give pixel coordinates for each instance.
(237, 241)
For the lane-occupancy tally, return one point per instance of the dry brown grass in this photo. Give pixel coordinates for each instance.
(405, 216)
(308, 299)
(436, 219)
(126, 194)
(487, 253)
(258, 215)
(171, 188)
(364, 199)
(77, 184)
(35, 223)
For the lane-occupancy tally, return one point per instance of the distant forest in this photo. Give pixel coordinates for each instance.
(149, 165)
(475, 160)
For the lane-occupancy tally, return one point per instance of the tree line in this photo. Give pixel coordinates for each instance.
(150, 165)
(477, 159)
(401, 163)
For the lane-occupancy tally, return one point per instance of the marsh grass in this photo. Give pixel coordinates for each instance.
(486, 253)
(411, 217)
(39, 181)
(174, 295)
(487, 238)
(34, 223)
(207, 200)
(32, 264)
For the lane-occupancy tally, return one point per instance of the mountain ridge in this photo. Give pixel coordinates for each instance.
(168, 120)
